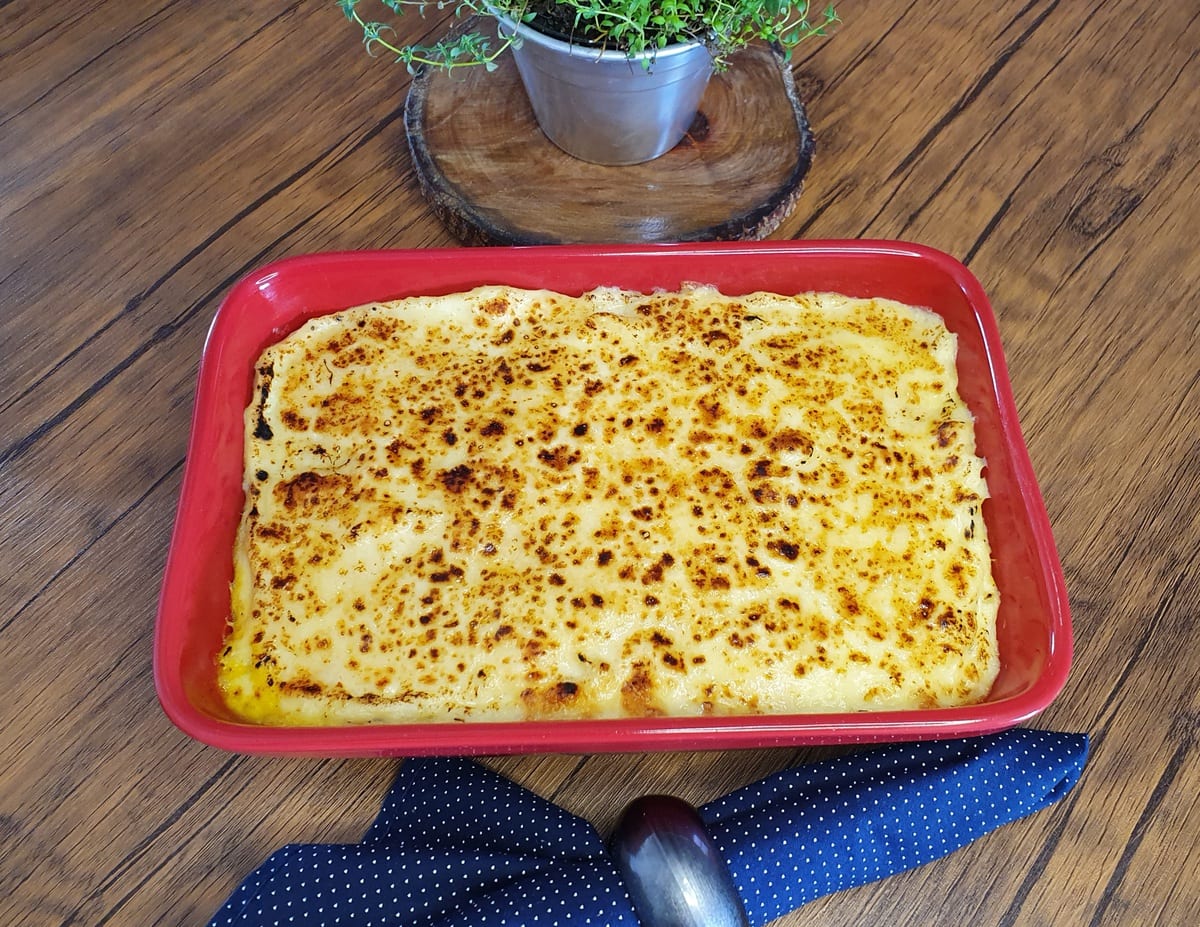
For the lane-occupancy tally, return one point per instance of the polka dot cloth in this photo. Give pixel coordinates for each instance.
(812, 830)
(456, 845)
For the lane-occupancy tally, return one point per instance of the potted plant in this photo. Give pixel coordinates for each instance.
(610, 81)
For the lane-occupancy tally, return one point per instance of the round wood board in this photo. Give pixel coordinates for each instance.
(493, 178)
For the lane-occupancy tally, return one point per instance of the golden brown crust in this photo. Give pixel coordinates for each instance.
(511, 504)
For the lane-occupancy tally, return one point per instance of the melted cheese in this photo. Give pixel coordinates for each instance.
(513, 504)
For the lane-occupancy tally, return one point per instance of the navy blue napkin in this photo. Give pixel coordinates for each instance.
(457, 845)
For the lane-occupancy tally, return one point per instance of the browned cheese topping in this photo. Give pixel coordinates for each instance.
(511, 504)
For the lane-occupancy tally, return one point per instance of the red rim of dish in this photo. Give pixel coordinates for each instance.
(174, 624)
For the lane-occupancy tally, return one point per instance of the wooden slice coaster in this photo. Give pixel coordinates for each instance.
(493, 178)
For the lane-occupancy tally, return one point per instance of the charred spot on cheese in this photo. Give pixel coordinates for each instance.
(509, 504)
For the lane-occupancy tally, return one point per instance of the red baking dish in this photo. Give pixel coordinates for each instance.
(1034, 621)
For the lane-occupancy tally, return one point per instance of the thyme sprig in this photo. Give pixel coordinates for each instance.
(632, 26)
(470, 48)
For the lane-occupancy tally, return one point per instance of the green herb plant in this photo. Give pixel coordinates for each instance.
(632, 26)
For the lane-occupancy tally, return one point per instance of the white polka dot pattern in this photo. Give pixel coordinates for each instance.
(456, 845)
(809, 831)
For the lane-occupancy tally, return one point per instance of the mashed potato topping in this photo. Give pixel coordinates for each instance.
(510, 504)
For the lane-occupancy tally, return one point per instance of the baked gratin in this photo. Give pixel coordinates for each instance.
(510, 504)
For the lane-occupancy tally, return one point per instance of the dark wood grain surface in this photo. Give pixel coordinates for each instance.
(154, 151)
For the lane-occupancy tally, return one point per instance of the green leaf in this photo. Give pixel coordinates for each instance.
(634, 26)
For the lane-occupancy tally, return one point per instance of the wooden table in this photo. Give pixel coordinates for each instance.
(151, 153)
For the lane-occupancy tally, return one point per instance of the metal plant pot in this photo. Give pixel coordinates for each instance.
(604, 106)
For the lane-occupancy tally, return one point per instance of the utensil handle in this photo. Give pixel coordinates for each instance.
(673, 871)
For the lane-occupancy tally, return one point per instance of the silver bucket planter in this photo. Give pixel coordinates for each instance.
(604, 106)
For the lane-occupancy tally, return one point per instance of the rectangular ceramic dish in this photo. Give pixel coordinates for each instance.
(1034, 623)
